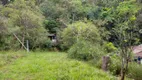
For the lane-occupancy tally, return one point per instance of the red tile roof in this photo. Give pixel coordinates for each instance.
(137, 50)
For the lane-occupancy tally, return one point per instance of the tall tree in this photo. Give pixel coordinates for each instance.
(125, 30)
(26, 21)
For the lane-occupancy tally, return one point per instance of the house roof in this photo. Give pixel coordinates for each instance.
(139, 54)
(137, 50)
(51, 35)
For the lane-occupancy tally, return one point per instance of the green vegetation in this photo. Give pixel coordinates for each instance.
(7, 58)
(49, 66)
(86, 29)
(80, 31)
(135, 71)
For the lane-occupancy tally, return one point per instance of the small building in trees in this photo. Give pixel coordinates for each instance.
(53, 39)
(137, 50)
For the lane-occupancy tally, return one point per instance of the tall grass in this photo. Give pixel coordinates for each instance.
(7, 57)
(50, 66)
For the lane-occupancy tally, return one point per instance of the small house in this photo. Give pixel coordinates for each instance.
(53, 39)
(137, 50)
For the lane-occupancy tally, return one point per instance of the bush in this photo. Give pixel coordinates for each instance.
(115, 65)
(83, 41)
(110, 47)
(96, 63)
(135, 71)
(80, 30)
(84, 50)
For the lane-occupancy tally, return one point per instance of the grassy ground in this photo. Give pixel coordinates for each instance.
(46, 66)
(7, 58)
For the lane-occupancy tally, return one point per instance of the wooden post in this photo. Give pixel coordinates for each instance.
(27, 46)
(105, 62)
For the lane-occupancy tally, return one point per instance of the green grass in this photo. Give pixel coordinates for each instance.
(48, 66)
(8, 57)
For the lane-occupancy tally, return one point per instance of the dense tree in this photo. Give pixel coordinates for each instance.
(25, 21)
(66, 10)
(80, 31)
(83, 41)
(125, 31)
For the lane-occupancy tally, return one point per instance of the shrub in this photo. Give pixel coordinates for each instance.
(83, 41)
(97, 63)
(110, 47)
(84, 50)
(135, 71)
(80, 30)
(115, 65)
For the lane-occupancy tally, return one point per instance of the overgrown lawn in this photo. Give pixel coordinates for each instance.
(47, 66)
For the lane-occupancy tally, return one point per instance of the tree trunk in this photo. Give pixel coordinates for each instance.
(123, 69)
(123, 74)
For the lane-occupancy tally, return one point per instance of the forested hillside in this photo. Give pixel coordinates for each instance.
(31, 19)
(85, 29)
